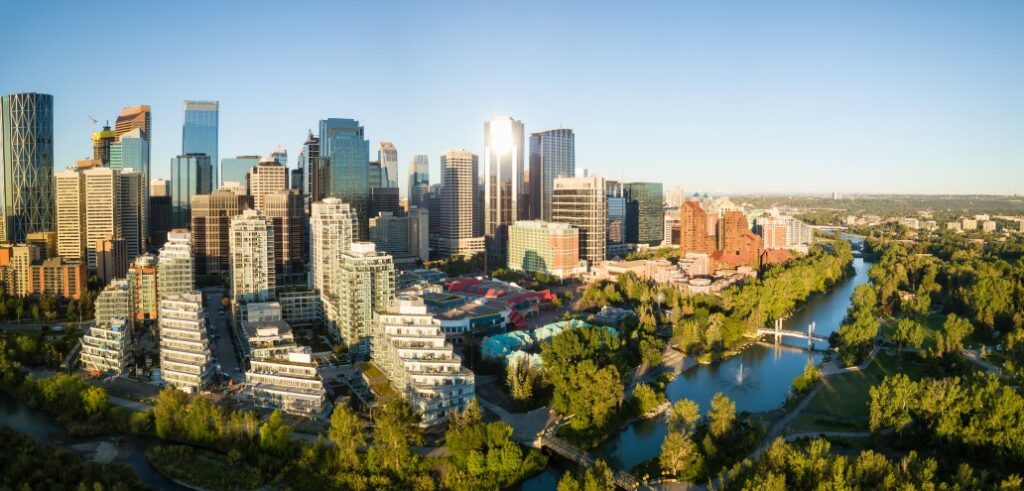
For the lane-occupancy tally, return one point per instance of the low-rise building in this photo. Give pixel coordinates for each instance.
(968, 224)
(56, 277)
(282, 375)
(411, 351)
(107, 347)
(988, 226)
(300, 307)
(544, 247)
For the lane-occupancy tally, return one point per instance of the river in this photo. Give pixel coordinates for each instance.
(758, 379)
(41, 426)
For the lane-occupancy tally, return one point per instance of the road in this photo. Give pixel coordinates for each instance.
(223, 346)
(35, 326)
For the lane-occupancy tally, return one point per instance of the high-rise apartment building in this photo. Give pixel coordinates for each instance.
(115, 302)
(282, 375)
(142, 275)
(175, 272)
(419, 180)
(504, 195)
(266, 178)
(693, 235)
(211, 220)
(366, 285)
(387, 155)
(459, 179)
(185, 359)
(347, 152)
(96, 203)
(252, 258)
(644, 213)
(26, 174)
(581, 202)
(783, 232)
(199, 134)
(191, 175)
(102, 190)
(544, 247)
(70, 214)
(284, 210)
(552, 155)
(332, 225)
(107, 347)
(410, 349)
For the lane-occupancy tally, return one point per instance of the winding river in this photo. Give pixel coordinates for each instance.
(758, 379)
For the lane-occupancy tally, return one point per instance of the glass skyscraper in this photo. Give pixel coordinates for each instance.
(235, 170)
(199, 131)
(190, 175)
(552, 155)
(387, 155)
(26, 175)
(645, 213)
(347, 154)
(131, 151)
(504, 202)
(419, 180)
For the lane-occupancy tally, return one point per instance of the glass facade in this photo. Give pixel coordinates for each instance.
(199, 131)
(235, 170)
(348, 158)
(644, 213)
(503, 182)
(190, 175)
(552, 155)
(133, 152)
(387, 155)
(26, 175)
(419, 180)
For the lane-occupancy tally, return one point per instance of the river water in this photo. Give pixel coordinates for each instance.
(758, 379)
(41, 426)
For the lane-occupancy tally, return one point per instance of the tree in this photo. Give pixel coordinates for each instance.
(645, 398)
(94, 400)
(909, 333)
(520, 377)
(954, 330)
(721, 416)
(346, 432)
(396, 429)
(275, 435)
(591, 395)
(170, 405)
(598, 477)
(806, 380)
(683, 416)
(679, 454)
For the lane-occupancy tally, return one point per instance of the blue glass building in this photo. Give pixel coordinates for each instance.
(199, 130)
(191, 174)
(419, 180)
(26, 170)
(347, 153)
(645, 213)
(236, 169)
(131, 151)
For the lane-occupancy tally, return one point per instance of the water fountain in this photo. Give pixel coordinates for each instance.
(740, 375)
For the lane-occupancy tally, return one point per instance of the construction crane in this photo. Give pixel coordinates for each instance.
(94, 121)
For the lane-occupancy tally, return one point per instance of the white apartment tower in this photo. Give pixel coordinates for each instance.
(175, 274)
(185, 359)
(409, 348)
(106, 348)
(331, 226)
(116, 301)
(252, 257)
(366, 285)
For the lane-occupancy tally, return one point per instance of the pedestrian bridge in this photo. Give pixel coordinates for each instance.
(569, 451)
(778, 332)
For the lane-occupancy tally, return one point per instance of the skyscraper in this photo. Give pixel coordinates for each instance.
(366, 286)
(131, 151)
(252, 258)
(284, 210)
(199, 133)
(616, 243)
(211, 222)
(693, 229)
(552, 155)
(101, 142)
(458, 202)
(236, 169)
(133, 212)
(175, 272)
(279, 154)
(266, 178)
(581, 202)
(419, 180)
(347, 152)
(331, 227)
(101, 209)
(387, 155)
(315, 169)
(159, 213)
(132, 118)
(644, 213)
(190, 175)
(503, 182)
(26, 177)
(70, 214)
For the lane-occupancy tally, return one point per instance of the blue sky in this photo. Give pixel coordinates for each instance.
(817, 96)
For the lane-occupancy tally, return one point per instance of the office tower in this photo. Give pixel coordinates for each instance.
(211, 221)
(252, 258)
(266, 178)
(101, 142)
(544, 247)
(670, 227)
(237, 169)
(26, 147)
(347, 152)
(675, 197)
(616, 243)
(45, 241)
(111, 259)
(366, 285)
(284, 210)
(175, 272)
(503, 182)
(375, 175)
(115, 302)
(133, 211)
(644, 213)
(419, 180)
(581, 202)
(132, 149)
(434, 207)
(458, 202)
(159, 213)
(106, 347)
(384, 200)
(295, 180)
(405, 339)
(419, 232)
(185, 360)
(142, 275)
(132, 118)
(199, 134)
(279, 154)
(190, 176)
(552, 155)
(317, 177)
(70, 214)
(387, 155)
(102, 190)
(390, 234)
(282, 375)
(693, 236)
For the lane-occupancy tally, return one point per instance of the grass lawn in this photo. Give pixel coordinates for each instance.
(843, 403)
(932, 324)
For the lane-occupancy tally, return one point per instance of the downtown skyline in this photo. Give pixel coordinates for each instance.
(921, 99)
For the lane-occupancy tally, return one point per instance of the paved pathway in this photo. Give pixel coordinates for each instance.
(973, 357)
(525, 426)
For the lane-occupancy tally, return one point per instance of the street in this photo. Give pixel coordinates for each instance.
(222, 346)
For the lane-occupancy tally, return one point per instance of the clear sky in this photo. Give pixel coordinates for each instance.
(789, 96)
